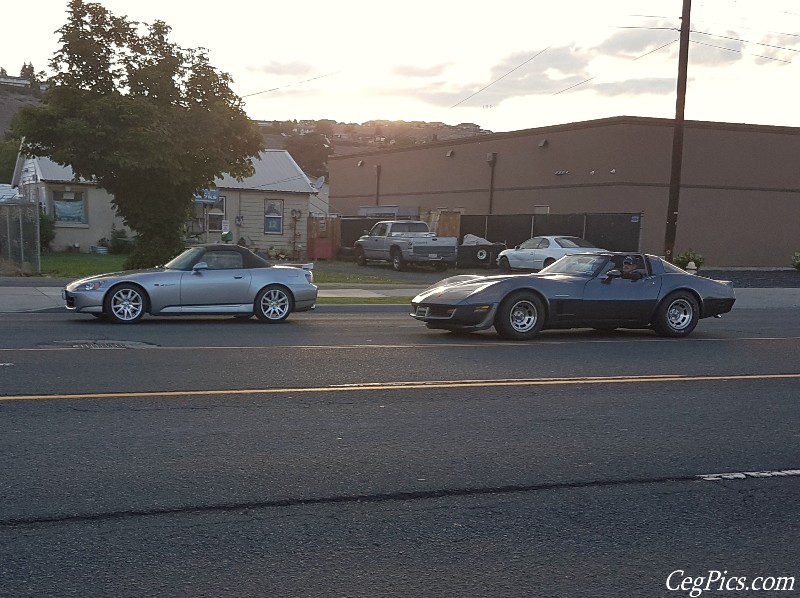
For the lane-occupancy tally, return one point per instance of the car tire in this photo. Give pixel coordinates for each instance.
(125, 304)
(361, 259)
(273, 304)
(520, 316)
(504, 264)
(398, 263)
(677, 315)
(548, 262)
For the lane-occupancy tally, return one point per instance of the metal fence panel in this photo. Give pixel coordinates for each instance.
(19, 237)
(615, 232)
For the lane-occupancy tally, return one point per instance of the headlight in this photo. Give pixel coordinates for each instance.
(91, 286)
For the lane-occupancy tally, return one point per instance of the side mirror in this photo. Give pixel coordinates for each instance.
(199, 266)
(516, 247)
(612, 274)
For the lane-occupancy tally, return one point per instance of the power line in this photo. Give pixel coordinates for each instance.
(501, 77)
(291, 84)
(632, 60)
(739, 51)
(746, 41)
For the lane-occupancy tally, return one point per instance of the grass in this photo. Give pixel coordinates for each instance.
(345, 277)
(76, 265)
(362, 300)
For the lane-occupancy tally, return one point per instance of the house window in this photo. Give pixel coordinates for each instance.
(69, 206)
(273, 216)
(216, 214)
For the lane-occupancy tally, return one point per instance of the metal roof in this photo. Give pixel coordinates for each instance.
(8, 194)
(275, 170)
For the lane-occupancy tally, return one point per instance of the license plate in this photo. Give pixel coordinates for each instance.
(63, 294)
(433, 255)
(422, 312)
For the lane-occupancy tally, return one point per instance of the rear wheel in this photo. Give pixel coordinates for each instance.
(549, 261)
(125, 304)
(398, 263)
(504, 264)
(520, 317)
(273, 304)
(361, 259)
(677, 315)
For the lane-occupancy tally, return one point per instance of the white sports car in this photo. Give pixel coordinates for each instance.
(540, 252)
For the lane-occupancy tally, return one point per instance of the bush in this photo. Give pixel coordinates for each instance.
(47, 230)
(119, 242)
(796, 260)
(683, 259)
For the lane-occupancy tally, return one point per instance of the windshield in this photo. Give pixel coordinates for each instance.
(572, 242)
(577, 265)
(410, 227)
(185, 259)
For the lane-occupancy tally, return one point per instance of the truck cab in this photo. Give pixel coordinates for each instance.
(405, 241)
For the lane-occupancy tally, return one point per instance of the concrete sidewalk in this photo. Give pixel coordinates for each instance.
(15, 299)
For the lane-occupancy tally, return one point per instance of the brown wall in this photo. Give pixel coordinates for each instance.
(740, 200)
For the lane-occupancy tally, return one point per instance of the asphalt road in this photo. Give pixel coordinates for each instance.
(225, 458)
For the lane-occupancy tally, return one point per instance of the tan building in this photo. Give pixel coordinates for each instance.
(268, 210)
(740, 192)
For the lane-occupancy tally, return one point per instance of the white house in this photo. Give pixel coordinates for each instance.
(268, 211)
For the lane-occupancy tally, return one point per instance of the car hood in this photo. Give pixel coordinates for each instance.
(459, 288)
(112, 276)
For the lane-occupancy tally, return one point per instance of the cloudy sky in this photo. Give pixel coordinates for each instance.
(420, 60)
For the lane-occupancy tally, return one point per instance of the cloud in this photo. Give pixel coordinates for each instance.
(420, 71)
(283, 68)
(634, 42)
(790, 41)
(653, 85)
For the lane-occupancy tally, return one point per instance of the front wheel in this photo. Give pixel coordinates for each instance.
(361, 259)
(398, 263)
(125, 304)
(504, 264)
(273, 304)
(520, 317)
(677, 315)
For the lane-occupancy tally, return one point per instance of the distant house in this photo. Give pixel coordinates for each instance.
(268, 211)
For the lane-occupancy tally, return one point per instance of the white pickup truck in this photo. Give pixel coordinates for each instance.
(405, 241)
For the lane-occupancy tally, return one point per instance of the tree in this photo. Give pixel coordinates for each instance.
(27, 71)
(311, 152)
(147, 120)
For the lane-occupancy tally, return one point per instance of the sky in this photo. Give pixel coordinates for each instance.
(421, 60)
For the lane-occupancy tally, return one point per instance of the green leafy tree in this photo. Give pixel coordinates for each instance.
(8, 159)
(311, 152)
(147, 120)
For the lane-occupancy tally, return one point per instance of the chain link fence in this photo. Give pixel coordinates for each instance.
(19, 238)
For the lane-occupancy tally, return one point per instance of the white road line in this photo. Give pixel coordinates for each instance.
(743, 475)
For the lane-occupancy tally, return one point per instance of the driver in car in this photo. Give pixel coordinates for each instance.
(630, 270)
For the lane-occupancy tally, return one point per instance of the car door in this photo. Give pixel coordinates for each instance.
(225, 282)
(618, 299)
(524, 256)
(541, 253)
(373, 244)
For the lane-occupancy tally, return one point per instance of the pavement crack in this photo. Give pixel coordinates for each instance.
(341, 499)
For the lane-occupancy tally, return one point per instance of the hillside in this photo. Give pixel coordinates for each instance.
(11, 101)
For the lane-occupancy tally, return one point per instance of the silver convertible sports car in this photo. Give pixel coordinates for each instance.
(207, 279)
(599, 290)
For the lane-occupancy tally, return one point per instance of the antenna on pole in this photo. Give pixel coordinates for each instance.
(677, 137)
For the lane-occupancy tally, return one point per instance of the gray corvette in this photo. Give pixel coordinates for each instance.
(208, 279)
(598, 290)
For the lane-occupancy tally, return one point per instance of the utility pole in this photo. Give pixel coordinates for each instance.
(677, 137)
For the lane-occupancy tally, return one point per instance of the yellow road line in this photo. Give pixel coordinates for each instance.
(428, 345)
(433, 384)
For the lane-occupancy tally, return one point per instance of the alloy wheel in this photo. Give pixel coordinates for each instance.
(523, 316)
(679, 314)
(275, 304)
(127, 304)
